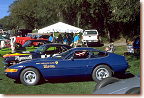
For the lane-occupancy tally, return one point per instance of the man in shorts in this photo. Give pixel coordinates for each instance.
(76, 39)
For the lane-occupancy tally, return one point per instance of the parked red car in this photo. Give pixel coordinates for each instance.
(31, 36)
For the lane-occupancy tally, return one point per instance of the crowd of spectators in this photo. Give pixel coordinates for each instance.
(68, 38)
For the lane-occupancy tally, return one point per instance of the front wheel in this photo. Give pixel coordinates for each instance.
(30, 76)
(101, 72)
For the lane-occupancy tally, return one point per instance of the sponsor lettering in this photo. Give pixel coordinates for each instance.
(49, 66)
(47, 63)
(23, 58)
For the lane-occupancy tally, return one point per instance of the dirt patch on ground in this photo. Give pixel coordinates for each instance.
(120, 42)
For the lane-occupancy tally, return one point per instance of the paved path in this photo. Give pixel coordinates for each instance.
(117, 44)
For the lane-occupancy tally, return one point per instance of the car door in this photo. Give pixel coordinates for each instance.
(73, 65)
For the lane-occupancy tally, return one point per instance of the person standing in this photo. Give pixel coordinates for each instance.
(72, 39)
(51, 38)
(2, 44)
(60, 39)
(76, 39)
(69, 39)
(12, 43)
(65, 39)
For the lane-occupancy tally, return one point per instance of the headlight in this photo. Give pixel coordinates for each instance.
(11, 70)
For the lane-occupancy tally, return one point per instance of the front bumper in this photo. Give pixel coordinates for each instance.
(12, 75)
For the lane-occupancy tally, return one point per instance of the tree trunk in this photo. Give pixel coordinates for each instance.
(78, 19)
(108, 33)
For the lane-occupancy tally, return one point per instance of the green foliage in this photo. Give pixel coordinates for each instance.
(4, 51)
(125, 10)
(134, 62)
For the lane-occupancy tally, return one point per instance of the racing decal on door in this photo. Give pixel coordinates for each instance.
(49, 66)
(56, 62)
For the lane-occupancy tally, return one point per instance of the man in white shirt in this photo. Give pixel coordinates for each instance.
(12, 42)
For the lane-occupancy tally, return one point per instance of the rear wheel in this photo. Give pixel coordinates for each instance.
(101, 72)
(30, 76)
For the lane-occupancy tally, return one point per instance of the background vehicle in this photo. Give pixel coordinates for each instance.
(32, 36)
(31, 43)
(4, 39)
(116, 86)
(35, 43)
(90, 37)
(43, 51)
(74, 62)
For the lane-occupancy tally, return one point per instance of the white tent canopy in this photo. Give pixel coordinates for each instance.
(60, 27)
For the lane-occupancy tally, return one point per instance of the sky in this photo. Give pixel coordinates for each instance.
(4, 7)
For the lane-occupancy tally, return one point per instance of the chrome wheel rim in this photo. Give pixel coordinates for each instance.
(102, 73)
(30, 77)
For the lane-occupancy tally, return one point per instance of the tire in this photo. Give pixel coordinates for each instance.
(106, 82)
(101, 72)
(135, 90)
(30, 76)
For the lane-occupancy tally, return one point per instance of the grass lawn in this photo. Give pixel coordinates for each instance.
(62, 86)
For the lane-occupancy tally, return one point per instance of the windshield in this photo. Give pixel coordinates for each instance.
(27, 44)
(41, 49)
(90, 32)
(29, 35)
(62, 55)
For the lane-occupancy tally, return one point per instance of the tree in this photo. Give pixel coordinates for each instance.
(8, 23)
(24, 11)
(48, 12)
(127, 14)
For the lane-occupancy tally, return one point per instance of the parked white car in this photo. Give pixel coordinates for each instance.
(90, 37)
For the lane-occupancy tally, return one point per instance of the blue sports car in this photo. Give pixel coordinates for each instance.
(74, 62)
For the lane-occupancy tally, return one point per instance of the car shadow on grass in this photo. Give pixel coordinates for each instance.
(69, 79)
(124, 76)
(66, 80)
(77, 79)
(61, 80)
